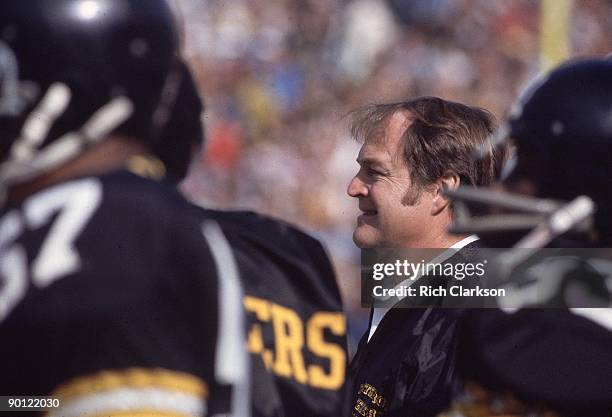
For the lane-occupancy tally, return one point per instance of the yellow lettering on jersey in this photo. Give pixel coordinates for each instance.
(336, 323)
(377, 399)
(371, 392)
(261, 309)
(289, 338)
(287, 357)
(361, 408)
(365, 411)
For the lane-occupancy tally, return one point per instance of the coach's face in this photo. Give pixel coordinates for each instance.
(393, 212)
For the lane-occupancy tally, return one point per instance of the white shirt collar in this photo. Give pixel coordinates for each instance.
(464, 242)
(380, 312)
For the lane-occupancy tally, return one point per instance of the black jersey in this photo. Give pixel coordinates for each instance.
(296, 327)
(548, 362)
(108, 299)
(407, 368)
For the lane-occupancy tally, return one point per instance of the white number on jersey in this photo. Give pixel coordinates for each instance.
(75, 203)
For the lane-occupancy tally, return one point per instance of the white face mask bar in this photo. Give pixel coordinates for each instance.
(534, 211)
(547, 220)
(28, 160)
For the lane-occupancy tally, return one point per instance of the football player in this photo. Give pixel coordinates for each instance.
(116, 298)
(553, 362)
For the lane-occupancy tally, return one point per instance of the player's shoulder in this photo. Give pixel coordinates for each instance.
(114, 198)
(137, 202)
(122, 190)
(264, 230)
(155, 212)
(271, 234)
(267, 238)
(124, 213)
(134, 192)
(499, 350)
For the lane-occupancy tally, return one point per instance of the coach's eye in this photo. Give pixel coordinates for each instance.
(373, 172)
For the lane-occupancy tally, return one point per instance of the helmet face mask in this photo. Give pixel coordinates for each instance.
(73, 72)
(562, 130)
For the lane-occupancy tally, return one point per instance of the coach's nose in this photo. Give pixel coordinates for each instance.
(357, 188)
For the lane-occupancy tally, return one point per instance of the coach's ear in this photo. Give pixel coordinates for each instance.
(449, 181)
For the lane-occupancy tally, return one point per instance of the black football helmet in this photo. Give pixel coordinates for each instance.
(561, 131)
(74, 71)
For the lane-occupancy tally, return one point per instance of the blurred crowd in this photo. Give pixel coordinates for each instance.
(279, 77)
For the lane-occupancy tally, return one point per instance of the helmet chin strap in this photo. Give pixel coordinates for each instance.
(27, 160)
(39, 122)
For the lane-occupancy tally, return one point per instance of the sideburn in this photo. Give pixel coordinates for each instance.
(412, 197)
